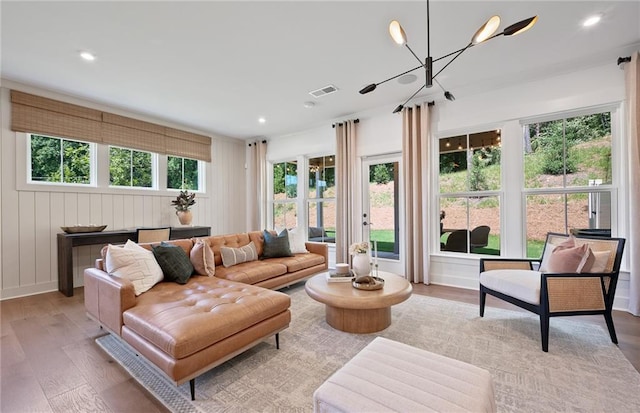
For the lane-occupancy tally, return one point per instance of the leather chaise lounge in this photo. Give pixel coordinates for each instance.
(186, 330)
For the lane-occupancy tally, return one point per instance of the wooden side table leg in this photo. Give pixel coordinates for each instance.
(65, 265)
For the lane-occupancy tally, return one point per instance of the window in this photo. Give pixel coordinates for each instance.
(130, 168)
(182, 173)
(321, 199)
(59, 160)
(568, 177)
(469, 193)
(285, 194)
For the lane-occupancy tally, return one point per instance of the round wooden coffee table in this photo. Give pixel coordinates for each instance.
(358, 311)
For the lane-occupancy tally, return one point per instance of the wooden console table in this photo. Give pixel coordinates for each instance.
(66, 242)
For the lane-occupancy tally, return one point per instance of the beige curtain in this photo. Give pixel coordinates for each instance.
(632, 75)
(257, 186)
(347, 216)
(415, 166)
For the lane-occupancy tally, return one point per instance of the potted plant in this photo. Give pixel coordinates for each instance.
(182, 203)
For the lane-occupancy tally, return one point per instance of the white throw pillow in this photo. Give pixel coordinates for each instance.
(135, 264)
(297, 242)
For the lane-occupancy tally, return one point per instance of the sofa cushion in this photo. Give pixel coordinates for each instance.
(275, 245)
(174, 262)
(234, 256)
(252, 272)
(299, 261)
(182, 320)
(133, 263)
(521, 284)
(202, 258)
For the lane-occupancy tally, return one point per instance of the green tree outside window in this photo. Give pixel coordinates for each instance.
(60, 160)
(182, 173)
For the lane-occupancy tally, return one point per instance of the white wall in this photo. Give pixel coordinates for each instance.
(380, 132)
(30, 219)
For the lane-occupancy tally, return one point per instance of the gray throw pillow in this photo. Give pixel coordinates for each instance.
(276, 245)
(175, 263)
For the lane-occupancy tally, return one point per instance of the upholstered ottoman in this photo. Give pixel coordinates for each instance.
(389, 376)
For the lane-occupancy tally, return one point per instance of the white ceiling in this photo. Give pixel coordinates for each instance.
(218, 66)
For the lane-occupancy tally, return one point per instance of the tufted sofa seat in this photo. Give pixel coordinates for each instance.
(186, 330)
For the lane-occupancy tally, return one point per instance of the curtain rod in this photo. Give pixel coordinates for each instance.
(264, 141)
(622, 60)
(340, 123)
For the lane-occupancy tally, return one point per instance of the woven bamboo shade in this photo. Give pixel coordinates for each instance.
(36, 114)
(188, 145)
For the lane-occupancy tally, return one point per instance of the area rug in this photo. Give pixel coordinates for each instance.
(583, 371)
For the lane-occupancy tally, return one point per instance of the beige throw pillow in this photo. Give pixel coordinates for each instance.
(202, 258)
(233, 256)
(600, 262)
(135, 264)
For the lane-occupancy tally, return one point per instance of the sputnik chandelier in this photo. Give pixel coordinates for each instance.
(484, 33)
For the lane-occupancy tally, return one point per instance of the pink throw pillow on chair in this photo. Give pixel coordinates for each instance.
(569, 258)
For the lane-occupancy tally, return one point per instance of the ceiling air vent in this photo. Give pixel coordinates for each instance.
(323, 91)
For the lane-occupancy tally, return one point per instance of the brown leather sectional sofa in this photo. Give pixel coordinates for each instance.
(188, 329)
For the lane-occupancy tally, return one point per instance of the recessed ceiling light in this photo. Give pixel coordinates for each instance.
(88, 56)
(592, 20)
(308, 105)
(262, 120)
(406, 79)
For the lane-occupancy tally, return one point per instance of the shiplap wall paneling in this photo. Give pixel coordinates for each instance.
(56, 205)
(43, 242)
(118, 211)
(26, 238)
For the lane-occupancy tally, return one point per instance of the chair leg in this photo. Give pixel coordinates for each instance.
(612, 331)
(544, 332)
(277, 341)
(483, 300)
(192, 387)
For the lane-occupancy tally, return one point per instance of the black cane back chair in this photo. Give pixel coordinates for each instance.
(556, 294)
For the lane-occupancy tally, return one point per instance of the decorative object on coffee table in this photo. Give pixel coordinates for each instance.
(183, 202)
(77, 229)
(367, 282)
(360, 263)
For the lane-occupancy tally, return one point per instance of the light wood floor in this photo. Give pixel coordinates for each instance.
(50, 362)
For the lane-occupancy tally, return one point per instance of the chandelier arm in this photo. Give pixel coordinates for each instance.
(454, 52)
(398, 75)
(414, 55)
(412, 96)
(451, 61)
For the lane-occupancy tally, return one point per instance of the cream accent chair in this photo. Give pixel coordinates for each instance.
(146, 235)
(556, 294)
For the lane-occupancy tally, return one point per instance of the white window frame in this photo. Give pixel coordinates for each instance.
(616, 166)
(308, 200)
(295, 201)
(201, 173)
(154, 170)
(498, 193)
(92, 163)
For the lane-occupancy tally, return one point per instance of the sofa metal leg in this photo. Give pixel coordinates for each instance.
(612, 331)
(277, 341)
(192, 387)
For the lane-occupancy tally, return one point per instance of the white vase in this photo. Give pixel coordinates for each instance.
(360, 264)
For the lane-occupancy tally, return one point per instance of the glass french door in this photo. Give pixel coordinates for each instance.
(381, 211)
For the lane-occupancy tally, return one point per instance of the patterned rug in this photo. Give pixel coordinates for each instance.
(583, 371)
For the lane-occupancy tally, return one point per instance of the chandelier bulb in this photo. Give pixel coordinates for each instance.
(520, 27)
(397, 33)
(486, 30)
